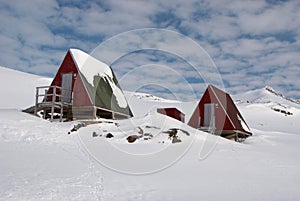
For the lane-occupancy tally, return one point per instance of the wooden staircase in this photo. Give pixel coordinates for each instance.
(53, 105)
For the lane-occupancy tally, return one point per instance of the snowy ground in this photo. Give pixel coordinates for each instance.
(40, 161)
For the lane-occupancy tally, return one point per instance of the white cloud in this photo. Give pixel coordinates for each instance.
(253, 43)
(282, 17)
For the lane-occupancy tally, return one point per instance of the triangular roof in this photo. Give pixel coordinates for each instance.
(228, 116)
(95, 83)
(228, 106)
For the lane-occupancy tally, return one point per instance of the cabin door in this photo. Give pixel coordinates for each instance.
(67, 87)
(209, 115)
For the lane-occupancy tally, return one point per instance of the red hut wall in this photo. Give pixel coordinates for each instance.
(80, 96)
(172, 112)
(230, 110)
(226, 112)
(221, 120)
(233, 113)
(67, 66)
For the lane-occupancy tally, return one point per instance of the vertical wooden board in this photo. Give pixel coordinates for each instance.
(67, 66)
(80, 95)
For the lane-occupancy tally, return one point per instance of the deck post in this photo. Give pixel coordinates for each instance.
(61, 111)
(36, 100)
(53, 101)
(94, 113)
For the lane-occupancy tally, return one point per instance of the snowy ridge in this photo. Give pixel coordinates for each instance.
(265, 95)
(270, 89)
(267, 109)
(271, 99)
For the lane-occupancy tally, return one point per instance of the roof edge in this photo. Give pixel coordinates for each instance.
(79, 72)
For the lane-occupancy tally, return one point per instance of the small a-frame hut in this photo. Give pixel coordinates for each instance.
(172, 112)
(88, 89)
(216, 113)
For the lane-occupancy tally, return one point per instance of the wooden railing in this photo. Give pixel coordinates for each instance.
(56, 100)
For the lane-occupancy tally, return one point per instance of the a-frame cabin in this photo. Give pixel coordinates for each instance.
(216, 113)
(85, 88)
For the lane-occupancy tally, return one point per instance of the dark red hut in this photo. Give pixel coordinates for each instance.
(172, 112)
(217, 113)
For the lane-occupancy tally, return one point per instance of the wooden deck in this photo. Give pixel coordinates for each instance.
(235, 135)
(52, 105)
(64, 112)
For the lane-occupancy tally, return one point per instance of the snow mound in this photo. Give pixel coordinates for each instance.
(152, 128)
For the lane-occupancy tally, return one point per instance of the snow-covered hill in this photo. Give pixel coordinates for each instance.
(39, 160)
(267, 95)
(18, 88)
(266, 109)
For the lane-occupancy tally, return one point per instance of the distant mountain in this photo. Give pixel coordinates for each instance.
(271, 90)
(268, 96)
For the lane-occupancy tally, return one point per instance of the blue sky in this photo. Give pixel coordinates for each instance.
(252, 43)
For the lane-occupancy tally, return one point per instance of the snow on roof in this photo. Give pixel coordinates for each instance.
(90, 67)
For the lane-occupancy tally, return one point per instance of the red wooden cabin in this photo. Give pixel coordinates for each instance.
(87, 87)
(217, 113)
(172, 112)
